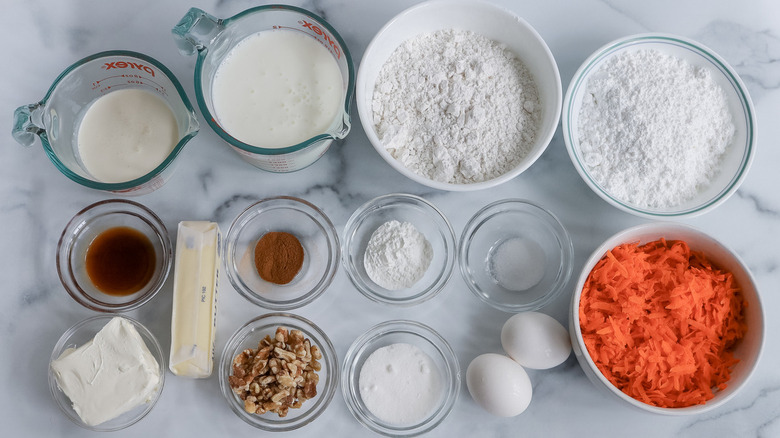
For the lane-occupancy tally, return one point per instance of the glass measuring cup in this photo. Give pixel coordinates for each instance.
(214, 38)
(56, 118)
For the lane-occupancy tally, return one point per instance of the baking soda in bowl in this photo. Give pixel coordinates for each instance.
(126, 134)
(277, 88)
(400, 384)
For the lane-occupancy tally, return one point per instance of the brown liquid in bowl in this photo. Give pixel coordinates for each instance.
(120, 261)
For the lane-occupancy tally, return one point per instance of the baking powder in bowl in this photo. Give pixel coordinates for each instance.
(397, 255)
(653, 128)
(400, 384)
(456, 107)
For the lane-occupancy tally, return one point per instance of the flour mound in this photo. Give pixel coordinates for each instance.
(456, 107)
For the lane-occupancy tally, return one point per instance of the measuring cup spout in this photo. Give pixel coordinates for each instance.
(346, 125)
(25, 128)
(195, 31)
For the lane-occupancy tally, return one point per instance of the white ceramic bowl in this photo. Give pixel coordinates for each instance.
(735, 162)
(747, 351)
(483, 18)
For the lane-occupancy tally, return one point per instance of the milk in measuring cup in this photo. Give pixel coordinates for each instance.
(277, 88)
(126, 134)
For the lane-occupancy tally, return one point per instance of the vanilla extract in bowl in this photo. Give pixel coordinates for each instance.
(120, 261)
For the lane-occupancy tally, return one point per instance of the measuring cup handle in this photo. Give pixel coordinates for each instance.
(195, 31)
(25, 130)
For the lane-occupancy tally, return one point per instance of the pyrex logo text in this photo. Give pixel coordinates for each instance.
(122, 64)
(314, 28)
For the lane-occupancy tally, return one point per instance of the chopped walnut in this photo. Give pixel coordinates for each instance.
(280, 374)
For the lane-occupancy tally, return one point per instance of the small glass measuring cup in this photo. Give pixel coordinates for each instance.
(55, 119)
(214, 38)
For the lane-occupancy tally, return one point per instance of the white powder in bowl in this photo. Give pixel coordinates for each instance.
(456, 107)
(653, 128)
(517, 264)
(400, 384)
(397, 255)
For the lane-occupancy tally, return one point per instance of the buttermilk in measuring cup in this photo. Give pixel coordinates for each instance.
(126, 134)
(277, 88)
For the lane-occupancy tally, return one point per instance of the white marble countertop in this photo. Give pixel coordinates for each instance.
(212, 183)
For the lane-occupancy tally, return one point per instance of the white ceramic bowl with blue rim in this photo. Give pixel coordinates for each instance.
(734, 164)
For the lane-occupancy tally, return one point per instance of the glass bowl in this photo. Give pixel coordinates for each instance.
(491, 21)
(407, 332)
(749, 348)
(82, 230)
(249, 336)
(514, 229)
(734, 164)
(306, 222)
(404, 208)
(81, 333)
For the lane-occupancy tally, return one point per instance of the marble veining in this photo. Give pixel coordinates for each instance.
(213, 183)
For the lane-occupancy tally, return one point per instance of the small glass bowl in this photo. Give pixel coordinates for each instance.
(83, 332)
(306, 222)
(82, 230)
(249, 336)
(499, 223)
(407, 332)
(404, 208)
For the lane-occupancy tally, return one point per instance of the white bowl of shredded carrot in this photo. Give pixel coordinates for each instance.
(667, 318)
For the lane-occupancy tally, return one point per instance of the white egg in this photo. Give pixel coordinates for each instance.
(499, 385)
(535, 340)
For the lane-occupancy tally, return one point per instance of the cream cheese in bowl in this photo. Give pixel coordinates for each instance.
(106, 372)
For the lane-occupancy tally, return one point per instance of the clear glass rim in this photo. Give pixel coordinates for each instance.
(367, 209)
(154, 348)
(127, 185)
(593, 61)
(452, 385)
(284, 202)
(232, 141)
(148, 217)
(561, 234)
(290, 321)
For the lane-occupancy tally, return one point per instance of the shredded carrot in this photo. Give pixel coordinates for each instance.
(661, 322)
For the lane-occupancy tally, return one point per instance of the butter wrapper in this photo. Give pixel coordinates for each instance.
(196, 278)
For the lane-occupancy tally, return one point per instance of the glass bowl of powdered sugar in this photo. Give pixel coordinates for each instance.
(659, 126)
(398, 249)
(400, 378)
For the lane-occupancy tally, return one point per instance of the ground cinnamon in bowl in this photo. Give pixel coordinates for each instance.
(278, 257)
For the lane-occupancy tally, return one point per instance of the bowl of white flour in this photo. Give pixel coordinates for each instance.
(659, 126)
(458, 95)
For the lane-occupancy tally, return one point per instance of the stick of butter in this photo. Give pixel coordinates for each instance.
(196, 276)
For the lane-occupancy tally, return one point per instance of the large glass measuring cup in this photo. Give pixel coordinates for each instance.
(214, 38)
(56, 118)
